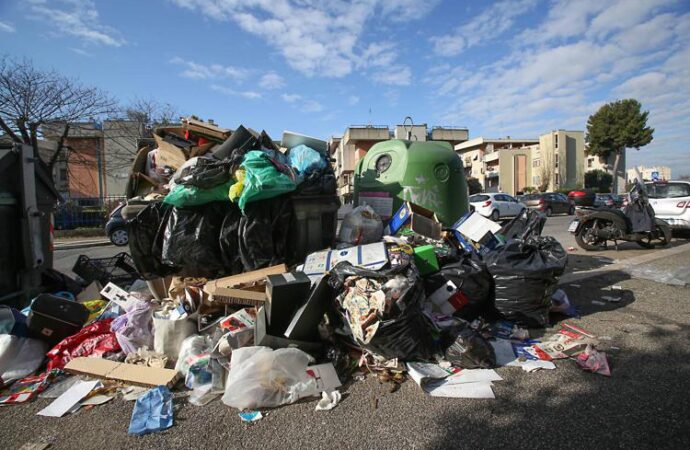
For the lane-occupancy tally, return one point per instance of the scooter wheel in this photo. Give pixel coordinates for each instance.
(583, 237)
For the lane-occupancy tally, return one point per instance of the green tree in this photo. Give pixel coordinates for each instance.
(598, 179)
(616, 126)
(474, 186)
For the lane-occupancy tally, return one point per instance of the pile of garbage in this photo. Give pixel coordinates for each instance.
(226, 307)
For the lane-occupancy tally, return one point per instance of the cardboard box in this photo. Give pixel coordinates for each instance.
(418, 219)
(425, 260)
(168, 154)
(305, 321)
(243, 289)
(264, 338)
(126, 373)
(205, 129)
(475, 227)
(372, 256)
(285, 294)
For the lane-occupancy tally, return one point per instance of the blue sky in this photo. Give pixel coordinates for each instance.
(513, 67)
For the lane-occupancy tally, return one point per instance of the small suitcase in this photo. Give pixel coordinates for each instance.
(54, 318)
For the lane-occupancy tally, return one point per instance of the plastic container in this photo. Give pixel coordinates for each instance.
(429, 174)
(118, 269)
(313, 226)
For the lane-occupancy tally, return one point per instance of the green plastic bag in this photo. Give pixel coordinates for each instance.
(263, 180)
(182, 196)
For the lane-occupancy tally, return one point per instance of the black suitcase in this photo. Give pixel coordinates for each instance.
(54, 318)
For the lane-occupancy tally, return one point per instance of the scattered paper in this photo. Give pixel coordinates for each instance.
(251, 416)
(617, 287)
(463, 390)
(533, 365)
(326, 377)
(132, 393)
(328, 401)
(96, 400)
(504, 352)
(64, 403)
(474, 376)
(423, 373)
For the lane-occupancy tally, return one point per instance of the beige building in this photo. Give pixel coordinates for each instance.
(648, 173)
(358, 139)
(554, 161)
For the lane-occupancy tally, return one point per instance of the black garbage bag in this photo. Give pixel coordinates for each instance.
(146, 232)
(207, 173)
(403, 332)
(466, 348)
(263, 232)
(191, 243)
(525, 275)
(471, 291)
(229, 240)
(528, 223)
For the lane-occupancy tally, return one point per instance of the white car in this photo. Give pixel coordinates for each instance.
(671, 202)
(496, 205)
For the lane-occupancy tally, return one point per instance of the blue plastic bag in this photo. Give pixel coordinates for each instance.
(305, 160)
(153, 412)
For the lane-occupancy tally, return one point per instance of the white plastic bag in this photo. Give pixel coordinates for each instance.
(262, 378)
(168, 334)
(361, 226)
(19, 357)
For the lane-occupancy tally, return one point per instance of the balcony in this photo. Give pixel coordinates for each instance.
(451, 134)
(366, 133)
(490, 157)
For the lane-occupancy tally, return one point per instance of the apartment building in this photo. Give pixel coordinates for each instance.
(358, 139)
(554, 160)
(650, 173)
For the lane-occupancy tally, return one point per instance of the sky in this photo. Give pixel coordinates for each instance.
(515, 68)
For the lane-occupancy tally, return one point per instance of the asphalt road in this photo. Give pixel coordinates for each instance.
(644, 404)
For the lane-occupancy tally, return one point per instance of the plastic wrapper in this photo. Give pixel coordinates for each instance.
(305, 160)
(237, 188)
(146, 232)
(206, 173)
(398, 329)
(190, 242)
(525, 274)
(184, 196)
(361, 226)
(463, 288)
(19, 357)
(468, 349)
(263, 233)
(528, 223)
(134, 328)
(265, 178)
(93, 340)
(263, 378)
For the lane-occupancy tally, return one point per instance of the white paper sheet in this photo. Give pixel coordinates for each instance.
(463, 390)
(474, 376)
(64, 403)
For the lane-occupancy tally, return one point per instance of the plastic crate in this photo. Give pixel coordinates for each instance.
(313, 226)
(118, 269)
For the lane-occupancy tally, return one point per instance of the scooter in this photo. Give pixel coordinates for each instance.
(595, 227)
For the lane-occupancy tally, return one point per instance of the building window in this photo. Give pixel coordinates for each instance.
(556, 161)
(590, 163)
(556, 140)
(557, 180)
(536, 163)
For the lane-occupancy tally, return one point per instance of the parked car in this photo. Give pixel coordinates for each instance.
(582, 197)
(496, 205)
(671, 202)
(605, 200)
(116, 227)
(550, 203)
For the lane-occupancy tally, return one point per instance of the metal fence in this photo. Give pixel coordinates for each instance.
(85, 212)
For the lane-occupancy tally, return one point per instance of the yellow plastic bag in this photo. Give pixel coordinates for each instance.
(237, 188)
(95, 308)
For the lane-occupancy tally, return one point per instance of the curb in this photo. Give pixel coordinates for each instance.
(81, 244)
(625, 263)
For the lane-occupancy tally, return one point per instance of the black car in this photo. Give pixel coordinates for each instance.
(116, 227)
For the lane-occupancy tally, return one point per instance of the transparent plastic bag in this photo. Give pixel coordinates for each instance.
(361, 226)
(262, 378)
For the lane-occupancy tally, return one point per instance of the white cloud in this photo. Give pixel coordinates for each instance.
(76, 18)
(554, 75)
(290, 98)
(251, 95)
(316, 38)
(199, 71)
(311, 106)
(396, 75)
(271, 80)
(7, 27)
(80, 51)
(487, 26)
(301, 103)
(352, 100)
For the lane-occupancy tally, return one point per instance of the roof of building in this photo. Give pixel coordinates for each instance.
(482, 140)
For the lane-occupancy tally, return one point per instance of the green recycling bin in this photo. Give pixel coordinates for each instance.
(429, 174)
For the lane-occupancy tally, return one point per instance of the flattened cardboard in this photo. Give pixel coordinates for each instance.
(127, 373)
(169, 154)
(231, 290)
(418, 219)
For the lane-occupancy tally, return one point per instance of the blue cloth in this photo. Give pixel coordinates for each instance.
(153, 412)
